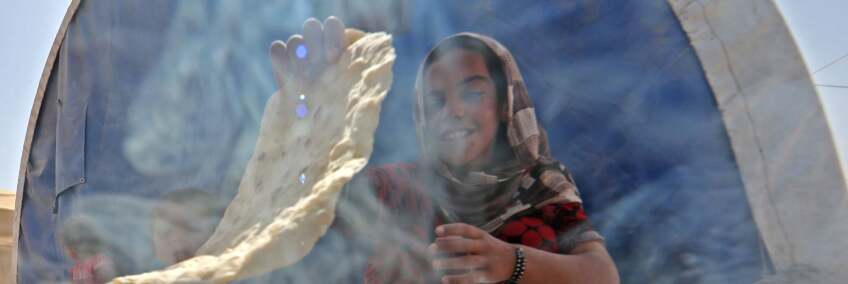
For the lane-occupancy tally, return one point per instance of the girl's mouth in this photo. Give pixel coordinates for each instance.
(454, 134)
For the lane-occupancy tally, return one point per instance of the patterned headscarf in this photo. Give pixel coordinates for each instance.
(509, 188)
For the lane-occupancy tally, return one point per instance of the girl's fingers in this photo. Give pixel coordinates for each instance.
(313, 35)
(334, 37)
(471, 277)
(297, 52)
(466, 262)
(455, 245)
(461, 230)
(303, 57)
(279, 61)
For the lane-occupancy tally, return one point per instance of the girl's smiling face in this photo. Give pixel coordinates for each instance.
(461, 106)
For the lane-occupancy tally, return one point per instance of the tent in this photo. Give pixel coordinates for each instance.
(692, 127)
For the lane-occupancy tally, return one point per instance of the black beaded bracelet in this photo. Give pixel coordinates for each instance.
(518, 270)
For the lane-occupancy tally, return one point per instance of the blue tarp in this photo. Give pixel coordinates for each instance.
(151, 96)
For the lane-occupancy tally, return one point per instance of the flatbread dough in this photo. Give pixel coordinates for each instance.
(277, 217)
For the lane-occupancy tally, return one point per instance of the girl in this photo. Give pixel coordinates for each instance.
(486, 202)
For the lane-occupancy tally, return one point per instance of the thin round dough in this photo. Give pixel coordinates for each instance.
(275, 220)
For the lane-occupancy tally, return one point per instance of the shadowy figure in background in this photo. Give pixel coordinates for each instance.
(485, 203)
(85, 244)
(183, 220)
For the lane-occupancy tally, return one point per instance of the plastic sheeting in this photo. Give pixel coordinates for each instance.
(151, 96)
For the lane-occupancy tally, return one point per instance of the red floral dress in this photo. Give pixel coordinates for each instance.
(541, 228)
(556, 228)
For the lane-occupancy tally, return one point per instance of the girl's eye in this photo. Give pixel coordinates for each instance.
(471, 96)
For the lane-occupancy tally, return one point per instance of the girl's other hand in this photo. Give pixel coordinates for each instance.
(468, 254)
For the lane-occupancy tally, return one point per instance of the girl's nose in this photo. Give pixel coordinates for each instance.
(455, 106)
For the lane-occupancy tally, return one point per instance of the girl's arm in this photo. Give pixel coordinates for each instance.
(589, 262)
(486, 259)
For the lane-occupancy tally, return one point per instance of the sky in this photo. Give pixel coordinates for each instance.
(29, 27)
(819, 28)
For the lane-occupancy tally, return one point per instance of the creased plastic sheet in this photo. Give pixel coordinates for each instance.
(178, 90)
(287, 196)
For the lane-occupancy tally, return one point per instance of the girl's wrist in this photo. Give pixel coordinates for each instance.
(519, 265)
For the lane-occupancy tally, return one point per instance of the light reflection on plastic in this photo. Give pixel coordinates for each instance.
(301, 51)
(301, 110)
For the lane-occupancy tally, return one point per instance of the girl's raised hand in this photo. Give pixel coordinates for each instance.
(304, 57)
